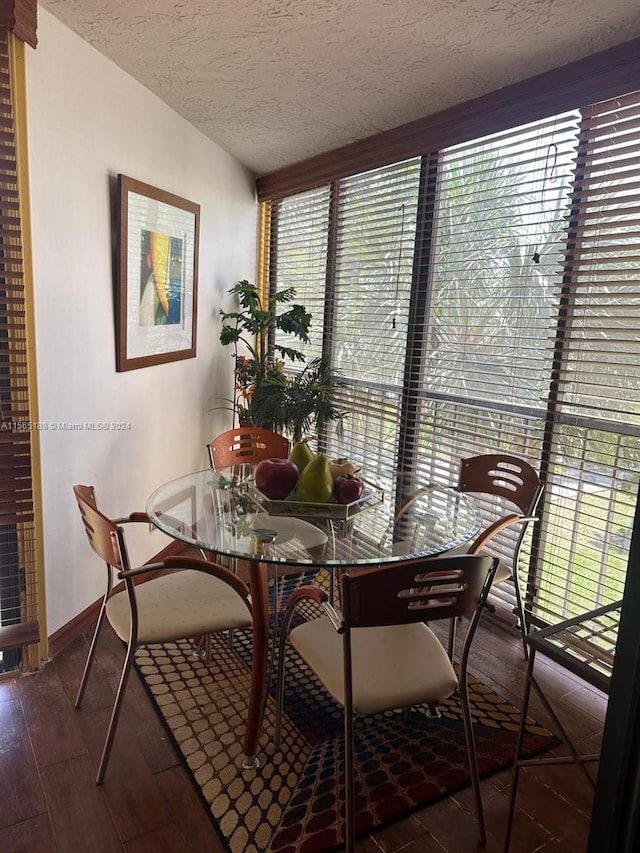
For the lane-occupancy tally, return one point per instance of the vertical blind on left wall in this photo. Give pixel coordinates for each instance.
(18, 574)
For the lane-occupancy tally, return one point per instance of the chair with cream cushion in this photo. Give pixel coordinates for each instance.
(379, 654)
(179, 598)
(241, 448)
(507, 491)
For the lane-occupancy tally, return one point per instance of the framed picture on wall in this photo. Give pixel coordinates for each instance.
(157, 286)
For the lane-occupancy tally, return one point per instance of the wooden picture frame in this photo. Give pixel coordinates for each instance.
(157, 286)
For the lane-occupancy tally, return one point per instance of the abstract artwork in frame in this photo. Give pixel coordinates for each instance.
(157, 287)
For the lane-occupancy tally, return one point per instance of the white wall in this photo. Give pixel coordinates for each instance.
(87, 122)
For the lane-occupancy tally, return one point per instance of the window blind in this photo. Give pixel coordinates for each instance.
(593, 438)
(375, 226)
(298, 252)
(486, 334)
(21, 18)
(484, 298)
(18, 576)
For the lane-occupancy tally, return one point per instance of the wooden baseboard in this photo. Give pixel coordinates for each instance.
(83, 621)
(78, 625)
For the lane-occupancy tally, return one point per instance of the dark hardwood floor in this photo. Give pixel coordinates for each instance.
(49, 802)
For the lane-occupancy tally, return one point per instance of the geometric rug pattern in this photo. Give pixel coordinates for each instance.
(291, 803)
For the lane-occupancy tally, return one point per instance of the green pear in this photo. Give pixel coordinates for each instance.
(315, 483)
(301, 454)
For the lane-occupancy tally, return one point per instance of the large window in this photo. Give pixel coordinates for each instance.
(486, 297)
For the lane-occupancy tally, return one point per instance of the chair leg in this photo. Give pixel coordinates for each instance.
(115, 714)
(90, 656)
(521, 615)
(274, 629)
(452, 638)
(280, 673)
(279, 693)
(349, 781)
(204, 648)
(519, 742)
(471, 751)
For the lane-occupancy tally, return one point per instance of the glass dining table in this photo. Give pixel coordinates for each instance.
(215, 513)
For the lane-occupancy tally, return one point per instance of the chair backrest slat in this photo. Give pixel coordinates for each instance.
(416, 591)
(105, 537)
(246, 446)
(503, 475)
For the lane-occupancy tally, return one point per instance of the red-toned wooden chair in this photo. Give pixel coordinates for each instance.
(246, 446)
(379, 654)
(180, 598)
(239, 450)
(507, 491)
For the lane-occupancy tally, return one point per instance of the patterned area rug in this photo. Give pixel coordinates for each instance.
(292, 802)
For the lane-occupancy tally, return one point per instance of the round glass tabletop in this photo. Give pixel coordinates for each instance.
(205, 509)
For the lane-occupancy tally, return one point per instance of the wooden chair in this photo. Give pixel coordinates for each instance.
(502, 483)
(514, 480)
(380, 654)
(246, 446)
(180, 598)
(239, 450)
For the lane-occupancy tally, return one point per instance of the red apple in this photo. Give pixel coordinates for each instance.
(347, 489)
(276, 478)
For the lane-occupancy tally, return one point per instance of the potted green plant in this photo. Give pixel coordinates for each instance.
(264, 394)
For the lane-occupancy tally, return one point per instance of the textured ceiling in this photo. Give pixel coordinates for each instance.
(277, 81)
